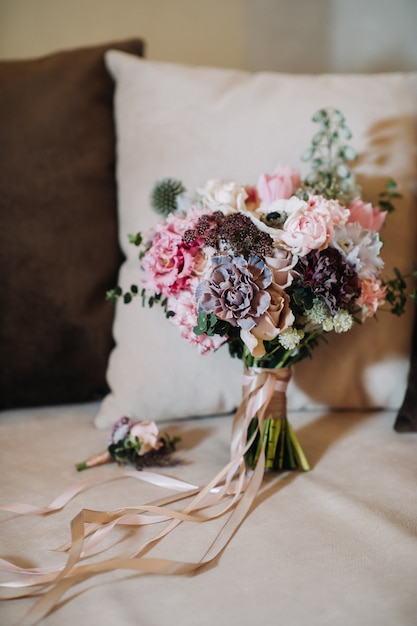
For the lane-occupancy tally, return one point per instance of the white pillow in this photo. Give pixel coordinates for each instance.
(195, 123)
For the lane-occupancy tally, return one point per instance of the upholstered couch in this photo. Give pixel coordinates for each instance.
(85, 133)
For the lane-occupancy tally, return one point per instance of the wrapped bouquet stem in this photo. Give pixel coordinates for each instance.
(275, 436)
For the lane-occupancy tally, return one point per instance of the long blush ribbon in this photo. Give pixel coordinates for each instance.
(234, 487)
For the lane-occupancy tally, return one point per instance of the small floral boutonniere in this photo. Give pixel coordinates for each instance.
(134, 442)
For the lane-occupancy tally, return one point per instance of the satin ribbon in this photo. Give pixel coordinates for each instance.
(233, 486)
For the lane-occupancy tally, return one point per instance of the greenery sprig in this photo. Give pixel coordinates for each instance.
(329, 158)
(390, 193)
(397, 290)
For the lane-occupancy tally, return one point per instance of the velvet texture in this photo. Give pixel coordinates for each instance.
(58, 240)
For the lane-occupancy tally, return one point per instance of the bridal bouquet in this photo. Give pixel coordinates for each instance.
(269, 270)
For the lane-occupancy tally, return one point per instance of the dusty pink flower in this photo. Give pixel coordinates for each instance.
(148, 435)
(372, 297)
(185, 308)
(368, 216)
(283, 183)
(169, 263)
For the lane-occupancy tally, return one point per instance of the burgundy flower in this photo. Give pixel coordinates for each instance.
(235, 291)
(330, 278)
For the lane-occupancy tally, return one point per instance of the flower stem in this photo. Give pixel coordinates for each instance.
(97, 459)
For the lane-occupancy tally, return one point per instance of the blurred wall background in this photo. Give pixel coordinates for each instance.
(303, 36)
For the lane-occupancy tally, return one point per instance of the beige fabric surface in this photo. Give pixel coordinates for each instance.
(335, 546)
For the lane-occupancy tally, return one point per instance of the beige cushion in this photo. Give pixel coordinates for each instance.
(196, 123)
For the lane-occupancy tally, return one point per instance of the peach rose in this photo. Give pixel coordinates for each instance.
(282, 266)
(148, 435)
(278, 317)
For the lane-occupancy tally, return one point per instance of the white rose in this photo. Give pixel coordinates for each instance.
(223, 195)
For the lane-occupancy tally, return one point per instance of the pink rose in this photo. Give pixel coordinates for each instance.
(372, 296)
(278, 317)
(368, 216)
(148, 435)
(283, 183)
(307, 230)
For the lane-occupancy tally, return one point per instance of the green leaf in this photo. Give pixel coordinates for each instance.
(386, 205)
(307, 154)
(391, 184)
(127, 298)
(135, 239)
(343, 171)
(113, 294)
(349, 153)
(320, 115)
(346, 132)
(339, 117)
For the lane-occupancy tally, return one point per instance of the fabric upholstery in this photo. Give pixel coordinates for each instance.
(58, 238)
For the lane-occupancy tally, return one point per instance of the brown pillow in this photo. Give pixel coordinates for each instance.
(58, 238)
(406, 420)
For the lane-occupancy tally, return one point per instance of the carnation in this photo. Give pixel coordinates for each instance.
(236, 290)
(168, 263)
(184, 307)
(372, 297)
(330, 278)
(331, 209)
